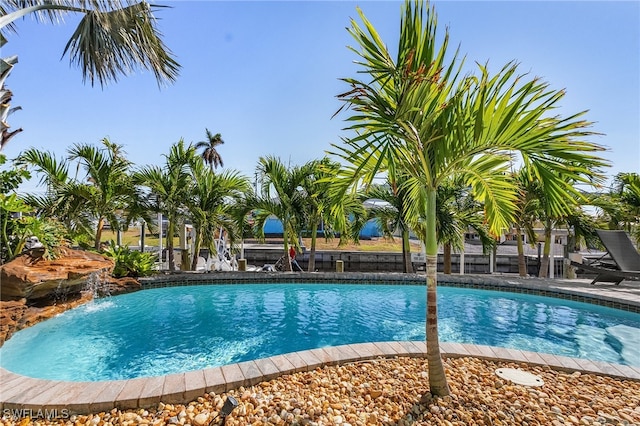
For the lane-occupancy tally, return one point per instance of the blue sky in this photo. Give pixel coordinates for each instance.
(265, 75)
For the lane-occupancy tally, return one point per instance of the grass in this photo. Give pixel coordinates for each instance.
(132, 238)
(377, 244)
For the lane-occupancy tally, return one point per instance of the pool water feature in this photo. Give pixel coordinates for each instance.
(176, 329)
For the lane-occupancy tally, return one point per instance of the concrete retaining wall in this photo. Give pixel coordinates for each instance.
(392, 262)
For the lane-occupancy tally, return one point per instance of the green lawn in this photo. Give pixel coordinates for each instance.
(132, 238)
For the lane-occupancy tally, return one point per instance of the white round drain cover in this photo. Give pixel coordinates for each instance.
(519, 377)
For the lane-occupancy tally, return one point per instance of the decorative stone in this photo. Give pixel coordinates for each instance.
(37, 278)
(201, 419)
(52, 287)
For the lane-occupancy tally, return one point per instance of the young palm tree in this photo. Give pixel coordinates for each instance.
(102, 194)
(107, 188)
(620, 207)
(57, 202)
(526, 214)
(210, 202)
(345, 216)
(210, 154)
(393, 216)
(413, 116)
(169, 186)
(282, 196)
(456, 212)
(316, 201)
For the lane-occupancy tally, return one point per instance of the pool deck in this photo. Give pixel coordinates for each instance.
(23, 393)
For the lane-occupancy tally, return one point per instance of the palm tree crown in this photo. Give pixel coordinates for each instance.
(113, 38)
(210, 154)
(415, 117)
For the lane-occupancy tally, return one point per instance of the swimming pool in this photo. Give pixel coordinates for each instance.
(162, 331)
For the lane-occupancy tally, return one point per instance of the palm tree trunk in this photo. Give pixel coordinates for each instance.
(170, 257)
(285, 236)
(312, 256)
(544, 263)
(99, 233)
(522, 265)
(447, 258)
(196, 249)
(437, 379)
(406, 252)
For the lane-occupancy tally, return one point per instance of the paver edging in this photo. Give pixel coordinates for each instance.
(232, 376)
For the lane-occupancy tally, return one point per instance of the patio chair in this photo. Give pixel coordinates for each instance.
(625, 257)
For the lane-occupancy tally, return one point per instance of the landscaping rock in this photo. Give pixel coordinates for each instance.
(33, 277)
(33, 289)
(342, 396)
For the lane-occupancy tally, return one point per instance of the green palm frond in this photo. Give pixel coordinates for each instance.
(210, 153)
(113, 38)
(106, 45)
(53, 171)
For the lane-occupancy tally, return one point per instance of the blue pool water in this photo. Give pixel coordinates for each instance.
(176, 329)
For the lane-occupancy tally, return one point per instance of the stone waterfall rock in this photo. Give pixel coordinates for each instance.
(33, 278)
(34, 289)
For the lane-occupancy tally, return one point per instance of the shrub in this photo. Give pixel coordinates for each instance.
(130, 263)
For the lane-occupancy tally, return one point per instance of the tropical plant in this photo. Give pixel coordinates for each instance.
(414, 116)
(281, 196)
(551, 218)
(129, 263)
(526, 214)
(210, 153)
(621, 205)
(6, 65)
(85, 202)
(17, 222)
(11, 179)
(113, 37)
(458, 212)
(210, 201)
(107, 189)
(344, 217)
(11, 239)
(392, 216)
(168, 188)
(11, 207)
(57, 202)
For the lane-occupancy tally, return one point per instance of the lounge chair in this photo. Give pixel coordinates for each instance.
(625, 257)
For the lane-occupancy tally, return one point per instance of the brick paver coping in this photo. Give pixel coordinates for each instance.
(20, 392)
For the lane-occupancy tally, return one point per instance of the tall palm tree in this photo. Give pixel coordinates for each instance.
(169, 186)
(526, 214)
(210, 202)
(102, 194)
(281, 196)
(107, 189)
(344, 216)
(392, 217)
(210, 154)
(413, 115)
